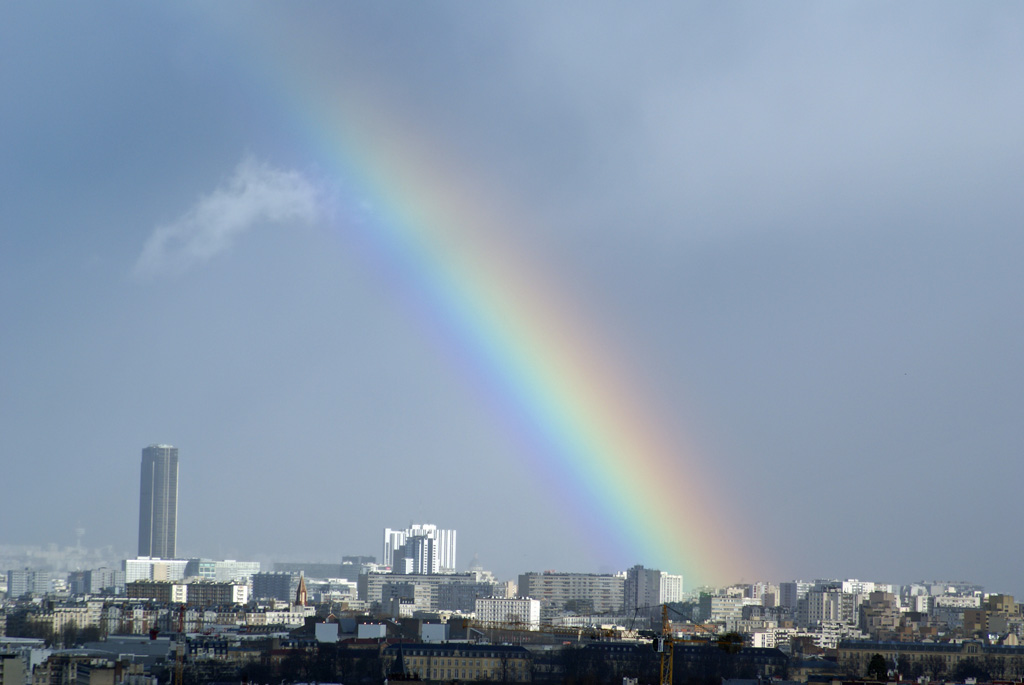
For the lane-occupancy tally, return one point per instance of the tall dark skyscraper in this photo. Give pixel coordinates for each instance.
(158, 502)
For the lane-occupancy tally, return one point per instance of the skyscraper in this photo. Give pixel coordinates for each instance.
(158, 502)
(420, 549)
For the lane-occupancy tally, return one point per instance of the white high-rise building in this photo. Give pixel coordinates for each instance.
(420, 549)
(671, 589)
(394, 541)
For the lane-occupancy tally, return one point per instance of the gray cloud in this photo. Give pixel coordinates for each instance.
(256, 193)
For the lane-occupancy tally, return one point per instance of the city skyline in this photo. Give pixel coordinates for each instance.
(728, 289)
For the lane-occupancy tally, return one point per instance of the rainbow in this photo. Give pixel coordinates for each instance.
(565, 401)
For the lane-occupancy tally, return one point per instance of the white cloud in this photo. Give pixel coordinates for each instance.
(256, 194)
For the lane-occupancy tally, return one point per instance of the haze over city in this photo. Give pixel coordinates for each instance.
(727, 289)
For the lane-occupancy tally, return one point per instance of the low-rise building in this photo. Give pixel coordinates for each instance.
(934, 659)
(464, 662)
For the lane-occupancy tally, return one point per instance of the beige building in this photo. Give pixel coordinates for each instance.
(933, 659)
(457, 661)
(12, 670)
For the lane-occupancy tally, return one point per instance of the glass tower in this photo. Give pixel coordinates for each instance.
(158, 502)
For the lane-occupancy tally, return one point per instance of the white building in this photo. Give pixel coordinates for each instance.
(153, 568)
(226, 571)
(521, 612)
(419, 549)
(722, 609)
(858, 587)
(958, 601)
(292, 616)
(831, 632)
(671, 588)
(28, 581)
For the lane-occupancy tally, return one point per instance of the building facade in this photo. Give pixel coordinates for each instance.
(463, 662)
(148, 568)
(592, 593)
(647, 587)
(158, 502)
(279, 585)
(936, 660)
(371, 586)
(222, 571)
(27, 582)
(523, 612)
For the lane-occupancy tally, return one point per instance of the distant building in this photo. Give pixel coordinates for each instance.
(221, 571)
(372, 586)
(158, 502)
(311, 569)
(279, 586)
(462, 596)
(648, 587)
(158, 591)
(154, 568)
(722, 608)
(523, 612)
(791, 592)
(591, 593)
(421, 549)
(96, 581)
(211, 594)
(198, 594)
(28, 582)
(358, 560)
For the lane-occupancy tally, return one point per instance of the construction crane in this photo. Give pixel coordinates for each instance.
(179, 648)
(664, 643)
(666, 647)
(709, 630)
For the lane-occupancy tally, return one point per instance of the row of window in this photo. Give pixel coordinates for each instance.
(440, 658)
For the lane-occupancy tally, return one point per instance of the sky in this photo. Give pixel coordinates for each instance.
(731, 289)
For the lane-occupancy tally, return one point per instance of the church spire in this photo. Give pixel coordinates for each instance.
(300, 594)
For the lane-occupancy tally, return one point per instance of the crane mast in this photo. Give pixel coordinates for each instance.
(666, 647)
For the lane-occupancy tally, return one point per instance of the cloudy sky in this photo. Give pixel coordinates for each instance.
(794, 228)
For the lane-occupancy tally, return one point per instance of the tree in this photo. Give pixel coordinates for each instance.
(915, 670)
(69, 635)
(877, 668)
(970, 668)
(935, 666)
(730, 643)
